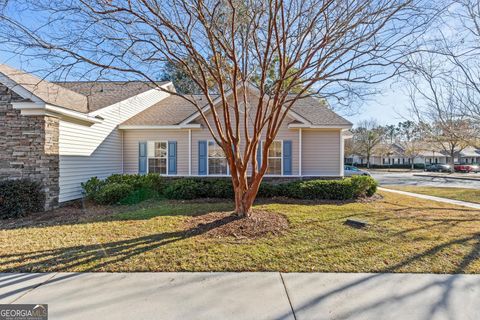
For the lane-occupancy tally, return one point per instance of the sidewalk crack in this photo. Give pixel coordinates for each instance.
(288, 296)
(33, 288)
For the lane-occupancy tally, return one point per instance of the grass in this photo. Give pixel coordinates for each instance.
(405, 235)
(462, 194)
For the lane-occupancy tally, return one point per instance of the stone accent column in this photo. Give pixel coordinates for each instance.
(29, 147)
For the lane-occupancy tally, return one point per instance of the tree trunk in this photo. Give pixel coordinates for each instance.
(245, 196)
(243, 205)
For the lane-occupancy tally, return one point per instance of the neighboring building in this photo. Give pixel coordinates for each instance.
(64, 133)
(429, 155)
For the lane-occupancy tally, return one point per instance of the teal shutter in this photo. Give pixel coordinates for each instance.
(287, 157)
(202, 158)
(259, 154)
(142, 157)
(172, 157)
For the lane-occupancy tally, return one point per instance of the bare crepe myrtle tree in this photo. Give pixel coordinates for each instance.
(290, 49)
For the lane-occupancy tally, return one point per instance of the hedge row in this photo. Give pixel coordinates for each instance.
(126, 189)
(20, 197)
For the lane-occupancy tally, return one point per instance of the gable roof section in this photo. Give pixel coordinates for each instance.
(101, 94)
(38, 89)
(175, 110)
(170, 111)
(79, 96)
(318, 113)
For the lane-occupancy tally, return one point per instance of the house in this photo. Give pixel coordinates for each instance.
(429, 154)
(61, 134)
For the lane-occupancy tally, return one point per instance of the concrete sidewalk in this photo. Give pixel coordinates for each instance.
(246, 295)
(433, 198)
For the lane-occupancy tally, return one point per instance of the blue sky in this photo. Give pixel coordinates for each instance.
(388, 107)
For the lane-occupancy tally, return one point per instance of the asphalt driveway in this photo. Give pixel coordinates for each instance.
(234, 296)
(409, 179)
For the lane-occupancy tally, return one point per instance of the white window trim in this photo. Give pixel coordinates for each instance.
(208, 165)
(166, 158)
(281, 160)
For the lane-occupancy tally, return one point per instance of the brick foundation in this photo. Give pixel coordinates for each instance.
(29, 147)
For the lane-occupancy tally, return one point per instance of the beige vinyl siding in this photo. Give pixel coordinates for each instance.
(131, 139)
(88, 151)
(283, 134)
(321, 153)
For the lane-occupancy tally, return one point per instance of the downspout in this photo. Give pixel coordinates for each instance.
(300, 152)
(189, 152)
(123, 169)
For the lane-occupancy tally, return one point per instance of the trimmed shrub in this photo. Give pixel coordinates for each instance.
(113, 193)
(92, 186)
(19, 198)
(363, 186)
(142, 187)
(185, 189)
(219, 188)
(321, 190)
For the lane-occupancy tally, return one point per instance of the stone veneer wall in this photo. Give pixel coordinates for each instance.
(29, 147)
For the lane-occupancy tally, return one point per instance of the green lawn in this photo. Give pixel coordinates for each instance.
(462, 194)
(406, 235)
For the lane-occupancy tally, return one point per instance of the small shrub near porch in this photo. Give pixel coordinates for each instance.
(129, 189)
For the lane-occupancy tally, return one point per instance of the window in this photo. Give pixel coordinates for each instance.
(157, 160)
(275, 158)
(217, 162)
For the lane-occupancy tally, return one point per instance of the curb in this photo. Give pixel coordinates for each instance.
(446, 177)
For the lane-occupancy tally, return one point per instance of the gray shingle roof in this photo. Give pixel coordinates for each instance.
(318, 113)
(173, 110)
(48, 92)
(101, 94)
(169, 111)
(81, 96)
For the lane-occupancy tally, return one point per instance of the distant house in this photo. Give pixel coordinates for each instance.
(64, 133)
(428, 155)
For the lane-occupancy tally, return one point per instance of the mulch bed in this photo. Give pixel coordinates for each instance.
(226, 224)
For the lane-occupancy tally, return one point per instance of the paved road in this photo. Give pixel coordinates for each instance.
(300, 296)
(407, 178)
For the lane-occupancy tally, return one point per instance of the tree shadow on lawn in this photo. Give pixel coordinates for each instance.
(78, 214)
(97, 256)
(81, 213)
(442, 288)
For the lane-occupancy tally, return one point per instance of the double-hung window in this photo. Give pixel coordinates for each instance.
(158, 157)
(217, 162)
(275, 158)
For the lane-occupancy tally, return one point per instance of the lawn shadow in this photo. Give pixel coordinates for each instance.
(98, 256)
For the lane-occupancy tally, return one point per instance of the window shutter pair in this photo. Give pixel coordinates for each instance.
(172, 157)
(286, 154)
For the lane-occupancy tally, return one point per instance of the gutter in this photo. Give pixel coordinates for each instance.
(150, 127)
(42, 109)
